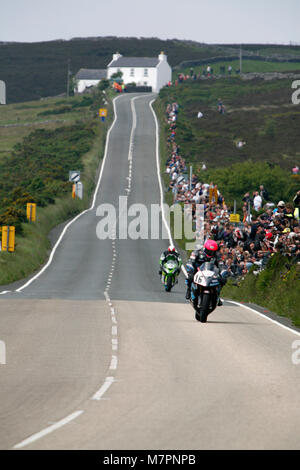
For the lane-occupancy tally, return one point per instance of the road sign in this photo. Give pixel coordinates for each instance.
(31, 212)
(103, 112)
(74, 176)
(235, 218)
(8, 238)
(180, 179)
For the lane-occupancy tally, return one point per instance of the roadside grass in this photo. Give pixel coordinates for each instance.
(33, 244)
(19, 120)
(277, 288)
(33, 247)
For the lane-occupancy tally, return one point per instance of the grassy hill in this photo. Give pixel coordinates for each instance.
(35, 70)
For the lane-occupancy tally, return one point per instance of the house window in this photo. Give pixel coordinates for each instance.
(132, 72)
(145, 72)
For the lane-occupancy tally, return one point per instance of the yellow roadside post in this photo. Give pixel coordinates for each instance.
(31, 211)
(103, 113)
(8, 238)
(73, 191)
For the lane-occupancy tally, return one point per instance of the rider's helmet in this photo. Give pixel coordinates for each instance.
(171, 249)
(210, 248)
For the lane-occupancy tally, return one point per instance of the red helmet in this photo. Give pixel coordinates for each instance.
(210, 248)
(171, 249)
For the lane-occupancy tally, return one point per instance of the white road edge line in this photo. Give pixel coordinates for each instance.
(82, 213)
(169, 231)
(266, 317)
(48, 430)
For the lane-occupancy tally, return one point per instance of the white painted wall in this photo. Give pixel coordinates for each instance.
(164, 75)
(83, 84)
(138, 76)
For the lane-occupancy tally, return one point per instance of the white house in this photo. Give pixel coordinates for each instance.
(153, 72)
(89, 77)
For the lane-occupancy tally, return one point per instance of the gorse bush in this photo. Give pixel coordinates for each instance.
(276, 288)
(38, 169)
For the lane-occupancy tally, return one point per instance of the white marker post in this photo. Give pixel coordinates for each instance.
(2, 353)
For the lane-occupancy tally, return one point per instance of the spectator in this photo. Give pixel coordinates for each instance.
(257, 201)
(275, 230)
(264, 193)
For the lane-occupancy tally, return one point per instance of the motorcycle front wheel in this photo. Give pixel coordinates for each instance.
(205, 308)
(169, 284)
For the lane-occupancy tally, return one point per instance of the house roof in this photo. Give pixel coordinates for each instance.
(91, 74)
(135, 62)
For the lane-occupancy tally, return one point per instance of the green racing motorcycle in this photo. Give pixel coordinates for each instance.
(170, 269)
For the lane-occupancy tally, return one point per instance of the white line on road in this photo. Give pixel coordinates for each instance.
(48, 430)
(98, 395)
(114, 363)
(266, 317)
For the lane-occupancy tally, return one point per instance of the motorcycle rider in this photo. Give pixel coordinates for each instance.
(171, 251)
(207, 254)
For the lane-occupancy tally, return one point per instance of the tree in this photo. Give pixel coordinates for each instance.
(117, 76)
(103, 84)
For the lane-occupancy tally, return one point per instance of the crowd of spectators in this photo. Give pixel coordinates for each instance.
(266, 228)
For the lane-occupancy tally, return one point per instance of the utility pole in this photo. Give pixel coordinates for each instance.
(68, 79)
(241, 59)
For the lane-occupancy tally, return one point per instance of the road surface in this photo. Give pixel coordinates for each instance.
(98, 356)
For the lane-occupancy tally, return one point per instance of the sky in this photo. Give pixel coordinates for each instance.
(210, 21)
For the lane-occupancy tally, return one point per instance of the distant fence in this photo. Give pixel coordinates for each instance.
(214, 60)
(138, 89)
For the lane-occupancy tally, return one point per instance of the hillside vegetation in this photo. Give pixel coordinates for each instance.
(259, 113)
(35, 70)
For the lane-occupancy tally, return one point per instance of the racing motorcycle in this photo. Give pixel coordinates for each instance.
(205, 290)
(169, 275)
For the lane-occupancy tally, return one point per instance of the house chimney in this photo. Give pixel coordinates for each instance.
(162, 56)
(117, 56)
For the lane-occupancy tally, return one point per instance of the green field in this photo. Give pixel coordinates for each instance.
(248, 66)
(19, 120)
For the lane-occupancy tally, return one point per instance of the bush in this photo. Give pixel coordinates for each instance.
(38, 170)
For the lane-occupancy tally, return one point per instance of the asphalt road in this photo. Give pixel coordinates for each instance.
(98, 356)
